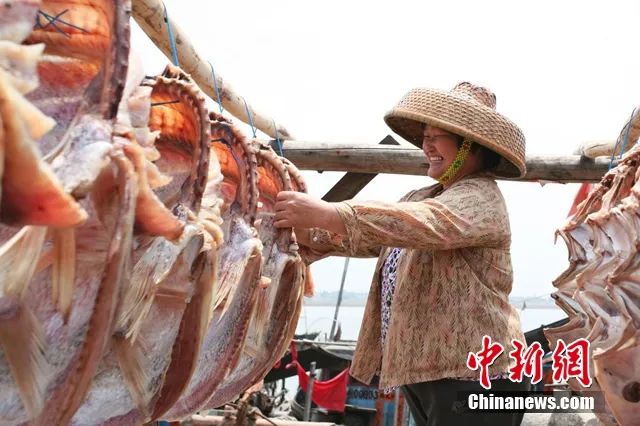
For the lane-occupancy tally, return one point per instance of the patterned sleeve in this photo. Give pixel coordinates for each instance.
(325, 243)
(470, 213)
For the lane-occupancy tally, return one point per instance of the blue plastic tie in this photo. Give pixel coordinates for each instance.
(624, 142)
(278, 141)
(626, 135)
(215, 85)
(253, 128)
(172, 40)
(225, 142)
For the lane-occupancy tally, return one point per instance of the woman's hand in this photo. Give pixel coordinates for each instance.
(299, 210)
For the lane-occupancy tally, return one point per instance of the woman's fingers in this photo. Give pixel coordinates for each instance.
(281, 206)
(281, 219)
(284, 200)
(286, 195)
(282, 214)
(299, 209)
(289, 201)
(282, 223)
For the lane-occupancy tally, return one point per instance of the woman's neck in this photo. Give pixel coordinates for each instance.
(462, 174)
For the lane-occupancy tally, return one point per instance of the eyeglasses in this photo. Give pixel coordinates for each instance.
(432, 139)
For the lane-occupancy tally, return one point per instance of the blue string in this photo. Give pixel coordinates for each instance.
(624, 143)
(626, 136)
(172, 40)
(613, 154)
(225, 142)
(253, 128)
(215, 85)
(278, 141)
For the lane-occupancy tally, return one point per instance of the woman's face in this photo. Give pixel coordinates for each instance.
(440, 147)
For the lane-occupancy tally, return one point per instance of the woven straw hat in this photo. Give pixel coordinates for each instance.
(468, 111)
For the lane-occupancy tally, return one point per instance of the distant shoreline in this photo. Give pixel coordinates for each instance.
(309, 302)
(358, 299)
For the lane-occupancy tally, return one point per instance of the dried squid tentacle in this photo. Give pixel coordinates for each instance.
(21, 336)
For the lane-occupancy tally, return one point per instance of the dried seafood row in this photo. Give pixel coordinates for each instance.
(57, 324)
(239, 268)
(163, 307)
(284, 271)
(20, 333)
(600, 292)
(147, 279)
(255, 315)
(291, 308)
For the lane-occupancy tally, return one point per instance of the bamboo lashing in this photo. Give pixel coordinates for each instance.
(629, 133)
(596, 148)
(149, 14)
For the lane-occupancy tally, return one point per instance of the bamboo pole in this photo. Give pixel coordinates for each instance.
(149, 14)
(322, 156)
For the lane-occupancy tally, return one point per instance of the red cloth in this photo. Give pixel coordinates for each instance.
(330, 394)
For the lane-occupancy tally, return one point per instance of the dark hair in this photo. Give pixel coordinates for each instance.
(489, 158)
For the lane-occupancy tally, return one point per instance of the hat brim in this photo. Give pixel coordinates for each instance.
(463, 117)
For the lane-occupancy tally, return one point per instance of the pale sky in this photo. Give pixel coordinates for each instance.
(564, 71)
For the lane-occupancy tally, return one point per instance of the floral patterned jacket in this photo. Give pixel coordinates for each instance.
(452, 284)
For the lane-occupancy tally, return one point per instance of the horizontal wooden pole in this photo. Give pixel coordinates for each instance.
(149, 14)
(322, 156)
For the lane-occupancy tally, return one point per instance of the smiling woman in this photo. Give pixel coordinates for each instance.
(444, 265)
(447, 160)
(448, 155)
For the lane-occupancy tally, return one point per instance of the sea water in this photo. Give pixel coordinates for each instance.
(319, 319)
